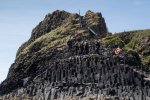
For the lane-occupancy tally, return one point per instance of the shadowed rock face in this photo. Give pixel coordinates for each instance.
(77, 67)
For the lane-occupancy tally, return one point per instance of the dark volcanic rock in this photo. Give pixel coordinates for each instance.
(96, 22)
(62, 61)
(50, 22)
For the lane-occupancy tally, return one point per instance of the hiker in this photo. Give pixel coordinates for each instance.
(86, 48)
(117, 51)
(116, 54)
(97, 47)
(69, 43)
(81, 48)
(76, 48)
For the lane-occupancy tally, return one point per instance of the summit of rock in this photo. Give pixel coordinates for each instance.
(58, 18)
(50, 22)
(70, 56)
(96, 22)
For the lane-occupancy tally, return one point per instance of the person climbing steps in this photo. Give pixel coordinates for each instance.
(69, 43)
(86, 48)
(97, 47)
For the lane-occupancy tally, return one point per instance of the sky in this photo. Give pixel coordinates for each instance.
(19, 17)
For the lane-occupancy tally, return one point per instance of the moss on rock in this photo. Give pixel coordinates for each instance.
(112, 40)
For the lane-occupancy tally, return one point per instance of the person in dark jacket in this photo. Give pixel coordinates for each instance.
(82, 48)
(76, 48)
(86, 48)
(97, 47)
(69, 43)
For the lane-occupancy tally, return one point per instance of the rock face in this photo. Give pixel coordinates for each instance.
(50, 22)
(64, 60)
(96, 22)
(138, 40)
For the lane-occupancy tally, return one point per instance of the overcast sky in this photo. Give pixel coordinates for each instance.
(19, 17)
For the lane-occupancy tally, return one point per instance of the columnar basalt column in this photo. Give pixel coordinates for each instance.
(52, 76)
(96, 73)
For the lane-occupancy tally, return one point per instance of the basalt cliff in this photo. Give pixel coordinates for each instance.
(71, 57)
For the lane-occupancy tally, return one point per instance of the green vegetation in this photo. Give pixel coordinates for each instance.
(146, 61)
(56, 38)
(137, 39)
(112, 40)
(131, 41)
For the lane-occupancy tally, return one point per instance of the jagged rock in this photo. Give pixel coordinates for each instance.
(96, 22)
(50, 22)
(62, 61)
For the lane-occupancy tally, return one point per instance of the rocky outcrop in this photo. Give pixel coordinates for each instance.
(96, 22)
(50, 22)
(58, 18)
(138, 40)
(85, 74)
(64, 60)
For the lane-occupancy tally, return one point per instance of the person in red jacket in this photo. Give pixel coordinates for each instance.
(118, 51)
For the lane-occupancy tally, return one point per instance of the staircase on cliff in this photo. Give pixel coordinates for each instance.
(63, 61)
